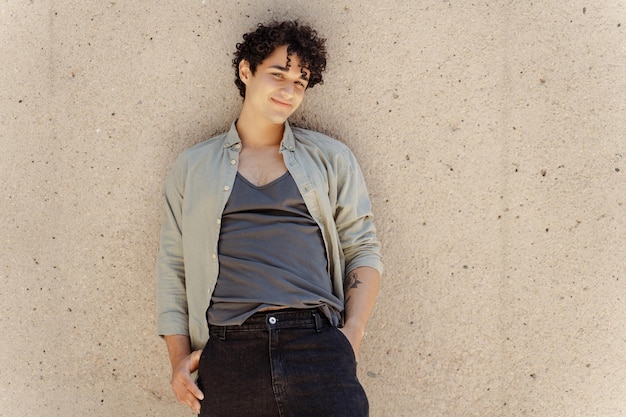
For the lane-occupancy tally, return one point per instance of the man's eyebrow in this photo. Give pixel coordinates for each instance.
(280, 68)
(303, 75)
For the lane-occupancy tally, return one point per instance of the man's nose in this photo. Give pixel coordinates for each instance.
(288, 89)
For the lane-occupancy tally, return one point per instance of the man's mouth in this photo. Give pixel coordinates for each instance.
(281, 103)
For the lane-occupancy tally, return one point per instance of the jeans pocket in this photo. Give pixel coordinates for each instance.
(201, 372)
(343, 340)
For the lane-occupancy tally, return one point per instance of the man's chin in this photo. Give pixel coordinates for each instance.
(279, 119)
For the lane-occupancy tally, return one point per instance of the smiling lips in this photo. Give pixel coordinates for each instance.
(282, 104)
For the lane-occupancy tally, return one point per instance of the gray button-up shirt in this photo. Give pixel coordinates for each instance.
(196, 191)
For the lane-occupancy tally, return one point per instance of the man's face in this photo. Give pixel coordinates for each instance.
(277, 88)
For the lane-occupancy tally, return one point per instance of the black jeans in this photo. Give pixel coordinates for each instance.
(280, 364)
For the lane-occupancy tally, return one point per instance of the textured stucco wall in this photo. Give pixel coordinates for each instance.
(493, 138)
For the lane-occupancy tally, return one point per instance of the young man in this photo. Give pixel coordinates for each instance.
(269, 264)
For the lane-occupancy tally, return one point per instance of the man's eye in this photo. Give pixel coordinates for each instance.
(277, 75)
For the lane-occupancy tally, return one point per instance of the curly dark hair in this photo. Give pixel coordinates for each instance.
(300, 40)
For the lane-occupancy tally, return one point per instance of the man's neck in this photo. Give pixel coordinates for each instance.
(257, 132)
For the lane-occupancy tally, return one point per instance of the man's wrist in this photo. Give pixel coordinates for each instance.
(355, 327)
(179, 349)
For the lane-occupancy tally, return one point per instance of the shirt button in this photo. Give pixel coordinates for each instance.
(226, 188)
(233, 162)
(214, 256)
(219, 221)
(272, 320)
(238, 145)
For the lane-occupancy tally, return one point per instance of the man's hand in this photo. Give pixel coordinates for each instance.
(184, 363)
(186, 391)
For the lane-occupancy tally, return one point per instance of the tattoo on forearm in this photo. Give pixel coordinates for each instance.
(351, 282)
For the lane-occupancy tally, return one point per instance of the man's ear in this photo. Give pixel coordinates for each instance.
(244, 71)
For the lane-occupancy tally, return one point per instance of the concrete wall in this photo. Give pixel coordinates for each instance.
(492, 136)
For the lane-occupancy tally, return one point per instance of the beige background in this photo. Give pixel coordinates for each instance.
(492, 137)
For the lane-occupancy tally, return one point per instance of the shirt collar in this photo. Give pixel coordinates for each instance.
(287, 143)
(232, 137)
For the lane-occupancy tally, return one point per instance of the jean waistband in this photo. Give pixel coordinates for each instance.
(290, 318)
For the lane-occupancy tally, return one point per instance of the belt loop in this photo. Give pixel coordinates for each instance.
(223, 333)
(318, 322)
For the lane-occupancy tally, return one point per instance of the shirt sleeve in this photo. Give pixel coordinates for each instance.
(172, 310)
(354, 218)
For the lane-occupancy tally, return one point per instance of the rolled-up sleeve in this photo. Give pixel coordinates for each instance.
(354, 219)
(172, 310)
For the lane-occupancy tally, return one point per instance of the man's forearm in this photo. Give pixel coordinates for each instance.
(178, 347)
(360, 292)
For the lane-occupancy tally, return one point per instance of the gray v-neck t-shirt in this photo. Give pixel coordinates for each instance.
(271, 254)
